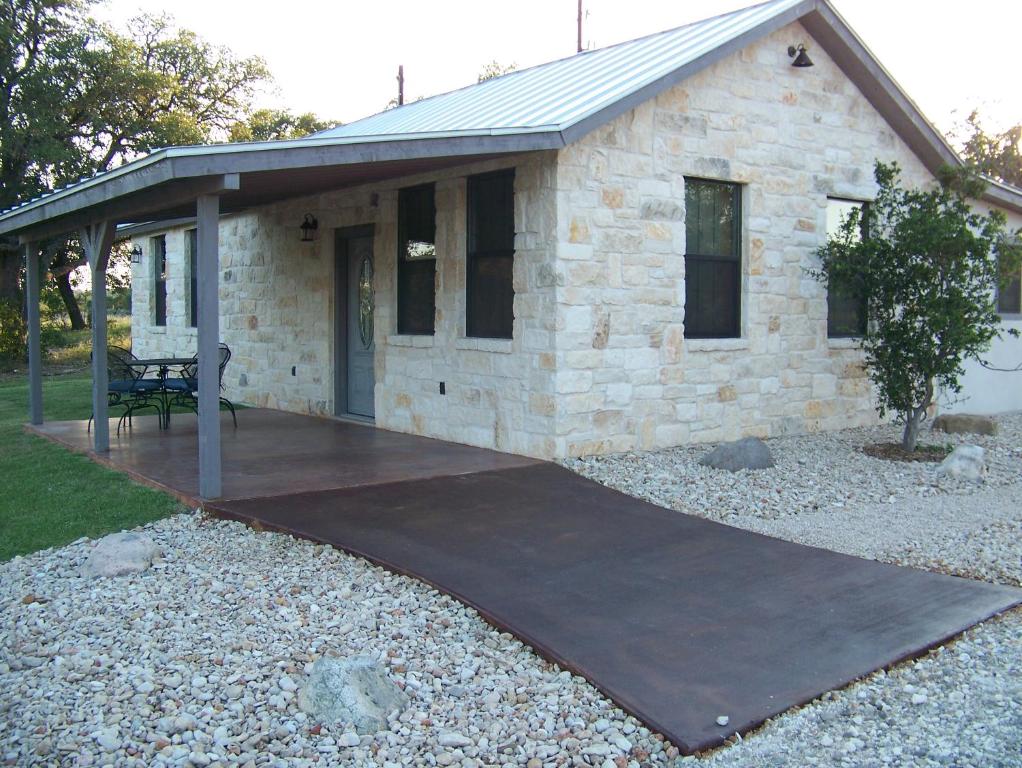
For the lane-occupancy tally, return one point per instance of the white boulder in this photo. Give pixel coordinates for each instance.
(120, 554)
(356, 691)
(966, 462)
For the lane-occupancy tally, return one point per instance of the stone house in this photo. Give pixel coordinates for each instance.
(636, 282)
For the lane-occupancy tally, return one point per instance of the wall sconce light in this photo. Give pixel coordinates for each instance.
(799, 54)
(136, 254)
(309, 227)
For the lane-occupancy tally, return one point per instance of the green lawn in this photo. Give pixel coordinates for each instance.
(51, 496)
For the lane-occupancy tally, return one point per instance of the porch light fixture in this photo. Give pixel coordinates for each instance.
(309, 227)
(136, 254)
(801, 58)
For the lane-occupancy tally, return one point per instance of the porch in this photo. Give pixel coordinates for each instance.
(274, 453)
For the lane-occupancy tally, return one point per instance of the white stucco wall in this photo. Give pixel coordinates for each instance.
(985, 390)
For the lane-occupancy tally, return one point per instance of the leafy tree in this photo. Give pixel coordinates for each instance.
(496, 69)
(997, 155)
(78, 97)
(277, 124)
(927, 271)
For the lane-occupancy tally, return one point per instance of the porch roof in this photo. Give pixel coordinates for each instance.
(542, 108)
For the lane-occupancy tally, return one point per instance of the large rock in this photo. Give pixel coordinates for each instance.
(966, 462)
(356, 691)
(120, 554)
(747, 453)
(965, 424)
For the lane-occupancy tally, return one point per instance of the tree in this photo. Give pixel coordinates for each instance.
(78, 98)
(277, 124)
(927, 270)
(496, 69)
(997, 155)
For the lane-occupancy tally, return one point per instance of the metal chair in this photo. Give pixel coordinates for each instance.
(127, 387)
(187, 387)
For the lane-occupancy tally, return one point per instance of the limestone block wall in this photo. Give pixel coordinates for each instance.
(277, 309)
(627, 378)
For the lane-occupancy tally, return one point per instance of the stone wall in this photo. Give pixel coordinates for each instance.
(599, 361)
(627, 378)
(276, 313)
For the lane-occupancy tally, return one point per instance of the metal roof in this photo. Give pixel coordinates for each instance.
(542, 108)
(561, 93)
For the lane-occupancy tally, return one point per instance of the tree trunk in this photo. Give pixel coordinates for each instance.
(10, 272)
(914, 420)
(74, 312)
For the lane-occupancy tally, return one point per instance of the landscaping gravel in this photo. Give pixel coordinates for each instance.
(198, 660)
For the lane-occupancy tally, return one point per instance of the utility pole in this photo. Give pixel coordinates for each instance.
(579, 26)
(401, 83)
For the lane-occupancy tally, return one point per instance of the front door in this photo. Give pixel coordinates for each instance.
(355, 376)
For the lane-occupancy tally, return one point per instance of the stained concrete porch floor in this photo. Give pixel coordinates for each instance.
(675, 618)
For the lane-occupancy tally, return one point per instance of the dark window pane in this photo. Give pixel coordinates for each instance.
(416, 260)
(1009, 298)
(711, 298)
(193, 278)
(846, 314)
(713, 258)
(491, 243)
(160, 282)
(846, 311)
(491, 300)
(711, 219)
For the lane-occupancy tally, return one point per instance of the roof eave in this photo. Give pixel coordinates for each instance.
(181, 165)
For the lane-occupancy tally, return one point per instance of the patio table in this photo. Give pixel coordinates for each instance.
(163, 364)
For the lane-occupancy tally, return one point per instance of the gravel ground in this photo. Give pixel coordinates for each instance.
(197, 660)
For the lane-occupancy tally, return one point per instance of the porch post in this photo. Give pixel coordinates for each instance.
(35, 373)
(208, 240)
(97, 239)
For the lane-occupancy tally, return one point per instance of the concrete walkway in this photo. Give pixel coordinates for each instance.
(677, 619)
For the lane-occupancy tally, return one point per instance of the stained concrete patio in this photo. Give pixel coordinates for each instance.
(675, 618)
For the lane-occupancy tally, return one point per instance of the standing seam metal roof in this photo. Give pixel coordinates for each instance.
(561, 93)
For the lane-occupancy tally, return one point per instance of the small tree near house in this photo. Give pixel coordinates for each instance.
(927, 269)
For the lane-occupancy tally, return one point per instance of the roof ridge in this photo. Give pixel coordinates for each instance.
(325, 133)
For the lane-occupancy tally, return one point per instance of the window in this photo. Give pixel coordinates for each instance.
(416, 260)
(191, 237)
(159, 250)
(713, 259)
(1009, 297)
(846, 311)
(489, 291)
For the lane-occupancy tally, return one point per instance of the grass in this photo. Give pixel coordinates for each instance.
(65, 351)
(52, 496)
(65, 348)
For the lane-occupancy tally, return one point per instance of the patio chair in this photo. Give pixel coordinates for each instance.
(127, 387)
(186, 388)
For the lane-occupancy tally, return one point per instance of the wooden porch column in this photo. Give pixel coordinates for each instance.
(35, 373)
(208, 241)
(97, 239)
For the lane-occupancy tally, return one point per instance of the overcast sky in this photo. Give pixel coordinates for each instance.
(339, 58)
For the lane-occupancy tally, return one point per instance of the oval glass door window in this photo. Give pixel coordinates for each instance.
(365, 302)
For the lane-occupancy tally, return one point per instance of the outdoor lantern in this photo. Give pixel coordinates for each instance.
(309, 227)
(799, 54)
(136, 254)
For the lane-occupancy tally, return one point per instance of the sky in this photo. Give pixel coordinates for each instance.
(339, 58)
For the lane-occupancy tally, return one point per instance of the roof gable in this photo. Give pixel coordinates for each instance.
(564, 93)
